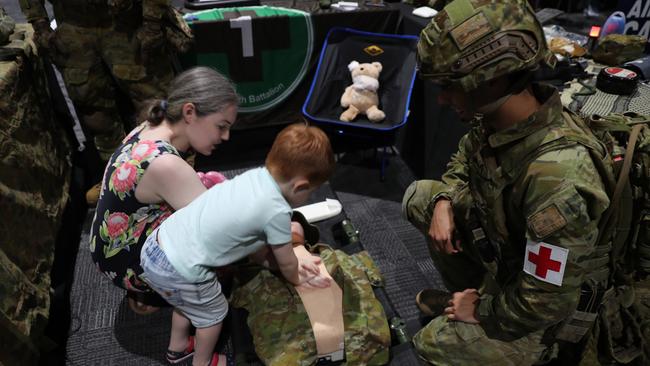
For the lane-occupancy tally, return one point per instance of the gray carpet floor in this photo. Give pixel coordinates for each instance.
(105, 332)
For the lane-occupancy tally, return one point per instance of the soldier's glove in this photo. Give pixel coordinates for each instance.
(151, 39)
(43, 34)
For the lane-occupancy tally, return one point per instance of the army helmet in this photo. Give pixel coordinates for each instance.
(471, 42)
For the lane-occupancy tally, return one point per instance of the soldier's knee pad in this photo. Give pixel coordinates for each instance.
(408, 195)
(416, 201)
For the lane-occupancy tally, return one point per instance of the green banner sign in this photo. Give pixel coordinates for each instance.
(265, 50)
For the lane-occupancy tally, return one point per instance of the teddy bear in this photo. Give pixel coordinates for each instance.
(361, 96)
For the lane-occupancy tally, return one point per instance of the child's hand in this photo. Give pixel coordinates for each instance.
(308, 267)
(310, 275)
(318, 282)
(297, 233)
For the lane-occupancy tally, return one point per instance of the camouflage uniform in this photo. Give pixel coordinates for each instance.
(34, 183)
(7, 25)
(280, 326)
(534, 182)
(558, 199)
(616, 49)
(97, 51)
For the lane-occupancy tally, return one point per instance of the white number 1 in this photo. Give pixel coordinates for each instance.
(244, 23)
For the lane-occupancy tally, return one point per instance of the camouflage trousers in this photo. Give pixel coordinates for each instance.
(444, 342)
(458, 271)
(96, 63)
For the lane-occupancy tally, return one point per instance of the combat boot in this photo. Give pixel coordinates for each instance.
(92, 196)
(432, 302)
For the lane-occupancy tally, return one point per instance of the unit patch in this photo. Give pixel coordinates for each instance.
(373, 50)
(547, 221)
(545, 262)
(471, 30)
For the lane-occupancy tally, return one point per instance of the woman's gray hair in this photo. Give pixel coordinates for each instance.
(207, 89)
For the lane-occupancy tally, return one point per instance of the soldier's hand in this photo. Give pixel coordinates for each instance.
(150, 36)
(43, 34)
(462, 307)
(442, 227)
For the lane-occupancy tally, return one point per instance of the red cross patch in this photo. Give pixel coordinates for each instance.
(545, 262)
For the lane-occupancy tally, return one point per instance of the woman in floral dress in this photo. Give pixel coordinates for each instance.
(146, 178)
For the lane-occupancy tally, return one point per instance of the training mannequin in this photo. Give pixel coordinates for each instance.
(299, 325)
(324, 306)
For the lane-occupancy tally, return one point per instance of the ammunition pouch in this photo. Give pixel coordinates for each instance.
(611, 323)
(641, 308)
(574, 328)
(620, 337)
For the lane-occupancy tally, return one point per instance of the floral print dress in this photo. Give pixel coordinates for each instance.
(122, 223)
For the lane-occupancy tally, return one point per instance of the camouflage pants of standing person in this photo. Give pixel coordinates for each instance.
(96, 63)
(445, 342)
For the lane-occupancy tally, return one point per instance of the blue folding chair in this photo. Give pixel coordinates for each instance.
(344, 45)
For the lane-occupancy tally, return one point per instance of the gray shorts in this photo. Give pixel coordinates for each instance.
(202, 303)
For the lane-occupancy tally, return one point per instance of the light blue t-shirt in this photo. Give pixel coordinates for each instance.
(228, 222)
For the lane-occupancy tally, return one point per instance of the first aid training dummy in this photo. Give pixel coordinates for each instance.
(248, 215)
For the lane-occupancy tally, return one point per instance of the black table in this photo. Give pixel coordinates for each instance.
(432, 134)
(208, 34)
(425, 143)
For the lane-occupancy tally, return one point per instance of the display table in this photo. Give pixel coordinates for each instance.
(432, 135)
(34, 182)
(425, 143)
(271, 51)
(582, 97)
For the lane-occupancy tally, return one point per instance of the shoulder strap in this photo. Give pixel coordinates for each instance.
(606, 225)
(565, 137)
(623, 177)
(615, 222)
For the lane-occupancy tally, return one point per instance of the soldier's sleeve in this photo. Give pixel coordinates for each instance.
(154, 10)
(33, 9)
(563, 202)
(456, 174)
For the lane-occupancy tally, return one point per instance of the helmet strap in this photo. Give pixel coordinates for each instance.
(521, 81)
(491, 107)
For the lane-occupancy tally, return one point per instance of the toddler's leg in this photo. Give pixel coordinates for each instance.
(206, 339)
(180, 332)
